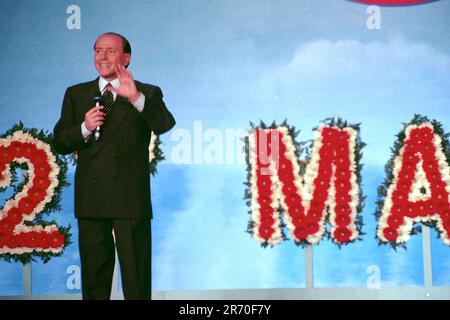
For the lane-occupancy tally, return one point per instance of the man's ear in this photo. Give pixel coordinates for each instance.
(126, 59)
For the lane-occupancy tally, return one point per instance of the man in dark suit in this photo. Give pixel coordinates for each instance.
(112, 183)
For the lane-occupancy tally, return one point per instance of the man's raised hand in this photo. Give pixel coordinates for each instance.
(127, 87)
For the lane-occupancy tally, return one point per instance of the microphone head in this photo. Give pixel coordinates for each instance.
(98, 99)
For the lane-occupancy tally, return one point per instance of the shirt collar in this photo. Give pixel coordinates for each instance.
(102, 83)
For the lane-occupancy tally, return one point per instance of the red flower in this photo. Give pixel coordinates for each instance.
(343, 137)
(31, 239)
(343, 220)
(6, 226)
(264, 201)
(342, 186)
(343, 209)
(343, 174)
(406, 177)
(265, 232)
(312, 226)
(289, 189)
(403, 186)
(264, 185)
(41, 183)
(36, 195)
(16, 148)
(324, 172)
(342, 162)
(42, 170)
(300, 232)
(12, 241)
(390, 233)
(399, 197)
(438, 186)
(266, 210)
(314, 215)
(285, 172)
(332, 137)
(298, 220)
(395, 220)
(26, 206)
(325, 155)
(293, 201)
(342, 198)
(342, 235)
(39, 157)
(284, 165)
(409, 158)
(443, 211)
(398, 209)
(320, 195)
(445, 215)
(28, 150)
(421, 208)
(431, 166)
(322, 184)
(6, 155)
(316, 205)
(267, 220)
(14, 215)
(43, 240)
(295, 211)
(412, 147)
(328, 132)
(409, 212)
(434, 177)
(56, 239)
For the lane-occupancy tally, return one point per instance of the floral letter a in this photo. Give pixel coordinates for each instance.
(418, 185)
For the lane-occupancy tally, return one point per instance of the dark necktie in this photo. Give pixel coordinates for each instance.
(107, 99)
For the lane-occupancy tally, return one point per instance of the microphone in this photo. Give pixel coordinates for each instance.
(98, 98)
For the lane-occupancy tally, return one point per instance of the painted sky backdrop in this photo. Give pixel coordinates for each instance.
(222, 64)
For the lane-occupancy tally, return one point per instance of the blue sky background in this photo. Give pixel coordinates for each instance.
(227, 63)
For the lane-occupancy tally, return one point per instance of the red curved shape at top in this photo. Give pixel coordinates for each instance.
(393, 2)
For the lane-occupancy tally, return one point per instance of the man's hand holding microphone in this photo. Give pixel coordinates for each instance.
(94, 118)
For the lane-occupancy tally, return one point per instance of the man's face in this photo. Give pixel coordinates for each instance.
(108, 54)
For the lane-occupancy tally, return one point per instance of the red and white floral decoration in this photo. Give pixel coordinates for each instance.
(329, 184)
(420, 189)
(15, 236)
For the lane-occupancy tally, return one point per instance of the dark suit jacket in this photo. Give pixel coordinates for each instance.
(112, 178)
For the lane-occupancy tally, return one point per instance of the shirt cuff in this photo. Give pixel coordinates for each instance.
(85, 132)
(139, 103)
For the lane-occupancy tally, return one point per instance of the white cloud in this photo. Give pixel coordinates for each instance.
(357, 71)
